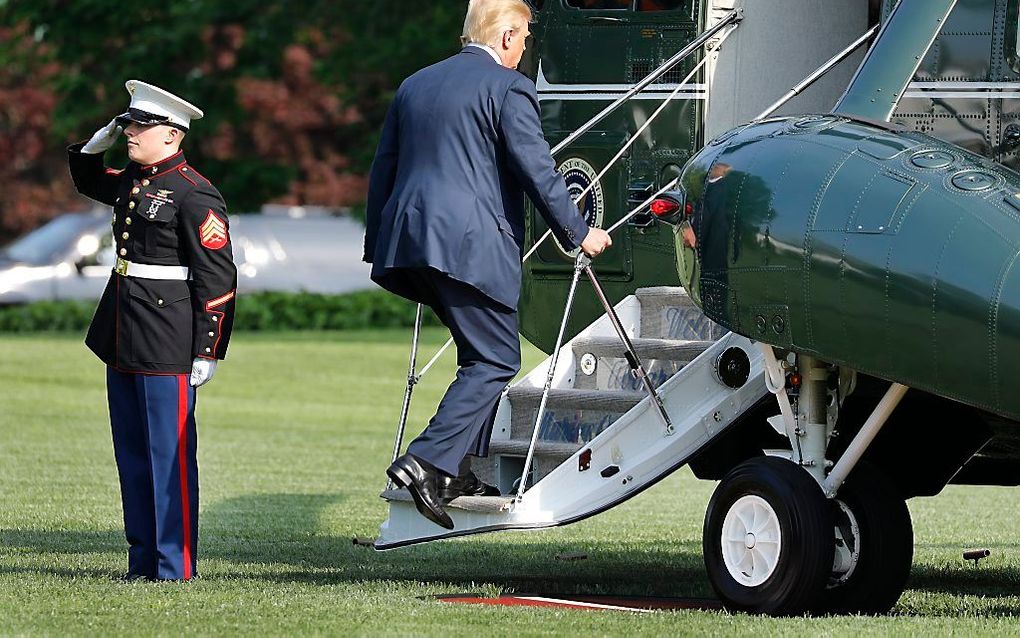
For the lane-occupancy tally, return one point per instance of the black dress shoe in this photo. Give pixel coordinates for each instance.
(422, 480)
(131, 577)
(464, 485)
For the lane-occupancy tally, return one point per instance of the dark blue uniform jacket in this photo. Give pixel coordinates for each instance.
(164, 214)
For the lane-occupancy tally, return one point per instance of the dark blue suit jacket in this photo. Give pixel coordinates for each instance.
(461, 146)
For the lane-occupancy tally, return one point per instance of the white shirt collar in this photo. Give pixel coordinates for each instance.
(489, 50)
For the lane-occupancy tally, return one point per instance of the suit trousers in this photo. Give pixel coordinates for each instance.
(154, 442)
(488, 358)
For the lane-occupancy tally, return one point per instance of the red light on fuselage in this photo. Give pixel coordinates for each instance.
(663, 206)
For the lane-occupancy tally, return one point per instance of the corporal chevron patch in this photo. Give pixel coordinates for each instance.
(213, 232)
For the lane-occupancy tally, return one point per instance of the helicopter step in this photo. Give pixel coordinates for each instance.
(600, 440)
(468, 503)
(662, 357)
(668, 311)
(603, 391)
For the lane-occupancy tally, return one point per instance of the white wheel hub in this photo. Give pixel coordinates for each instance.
(848, 546)
(751, 540)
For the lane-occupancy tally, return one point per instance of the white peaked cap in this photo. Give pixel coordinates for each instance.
(152, 99)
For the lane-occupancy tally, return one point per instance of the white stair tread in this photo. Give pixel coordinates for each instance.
(666, 293)
(669, 349)
(470, 503)
(570, 398)
(519, 447)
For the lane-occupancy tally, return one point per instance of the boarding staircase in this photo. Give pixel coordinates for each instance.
(601, 440)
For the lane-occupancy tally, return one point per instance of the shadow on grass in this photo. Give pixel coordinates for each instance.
(61, 572)
(62, 543)
(285, 529)
(968, 580)
(278, 538)
(610, 567)
(59, 541)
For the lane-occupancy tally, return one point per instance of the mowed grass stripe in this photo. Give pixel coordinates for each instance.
(294, 434)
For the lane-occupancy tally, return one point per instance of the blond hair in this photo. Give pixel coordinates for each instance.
(487, 20)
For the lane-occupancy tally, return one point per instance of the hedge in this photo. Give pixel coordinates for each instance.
(260, 311)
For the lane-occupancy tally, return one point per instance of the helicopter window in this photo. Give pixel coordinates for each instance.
(599, 4)
(659, 5)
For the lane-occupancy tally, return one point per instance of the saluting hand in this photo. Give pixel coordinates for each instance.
(596, 241)
(103, 138)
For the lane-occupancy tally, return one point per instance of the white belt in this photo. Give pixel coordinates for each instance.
(151, 271)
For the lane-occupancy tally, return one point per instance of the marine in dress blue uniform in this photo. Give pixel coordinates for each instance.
(163, 321)
(461, 146)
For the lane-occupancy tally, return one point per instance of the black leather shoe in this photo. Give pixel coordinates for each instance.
(422, 481)
(464, 485)
(131, 577)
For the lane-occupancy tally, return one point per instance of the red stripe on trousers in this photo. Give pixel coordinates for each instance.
(182, 462)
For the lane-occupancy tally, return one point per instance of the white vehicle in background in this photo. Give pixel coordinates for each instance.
(71, 256)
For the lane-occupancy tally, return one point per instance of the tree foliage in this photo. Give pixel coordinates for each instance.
(294, 91)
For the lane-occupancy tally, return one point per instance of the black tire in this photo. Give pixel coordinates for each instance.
(884, 546)
(805, 523)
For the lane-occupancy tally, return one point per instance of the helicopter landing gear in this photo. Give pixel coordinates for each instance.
(767, 538)
(792, 533)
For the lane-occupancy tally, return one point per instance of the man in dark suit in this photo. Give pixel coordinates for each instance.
(461, 146)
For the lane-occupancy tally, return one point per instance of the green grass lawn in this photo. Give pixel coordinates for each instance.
(294, 435)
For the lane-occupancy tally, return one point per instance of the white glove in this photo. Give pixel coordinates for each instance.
(202, 371)
(103, 138)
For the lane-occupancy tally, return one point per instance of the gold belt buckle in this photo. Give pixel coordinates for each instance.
(121, 267)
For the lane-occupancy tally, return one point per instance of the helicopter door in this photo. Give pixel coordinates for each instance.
(602, 206)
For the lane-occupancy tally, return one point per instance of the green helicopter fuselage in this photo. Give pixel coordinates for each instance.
(881, 249)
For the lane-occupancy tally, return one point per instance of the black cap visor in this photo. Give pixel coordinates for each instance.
(146, 119)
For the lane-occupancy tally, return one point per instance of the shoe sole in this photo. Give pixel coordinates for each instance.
(402, 479)
(398, 476)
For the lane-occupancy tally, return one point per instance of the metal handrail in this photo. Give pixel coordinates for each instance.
(412, 380)
(732, 17)
(582, 263)
(630, 142)
(819, 72)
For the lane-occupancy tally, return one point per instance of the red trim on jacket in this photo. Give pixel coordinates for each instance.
(219, 301)
(182, 466)
(184, 174)
(162, 161)
(162, 173)
(200, 176)
(216, 303)
(148, 373)
(163, 166)
(219, 333)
